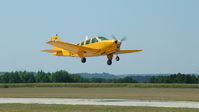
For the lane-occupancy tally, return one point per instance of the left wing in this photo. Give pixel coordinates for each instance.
(129, 51)
(75, 49)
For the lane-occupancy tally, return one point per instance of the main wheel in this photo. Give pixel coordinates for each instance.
(83, 60)
(109, 62)
(117, 58)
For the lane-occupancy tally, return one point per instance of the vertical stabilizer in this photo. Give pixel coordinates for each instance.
(55, 38)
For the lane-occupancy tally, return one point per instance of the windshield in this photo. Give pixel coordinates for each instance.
(102, 38)
(94, 40)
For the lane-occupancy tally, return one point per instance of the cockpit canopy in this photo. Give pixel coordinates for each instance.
(92, 40)
(102, 38)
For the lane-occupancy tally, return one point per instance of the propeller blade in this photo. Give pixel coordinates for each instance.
(123, 39)
(113, 36)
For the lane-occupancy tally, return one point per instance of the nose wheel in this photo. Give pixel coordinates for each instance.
(83, 60)
(117, 58)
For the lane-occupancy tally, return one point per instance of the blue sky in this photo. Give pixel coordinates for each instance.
(167, 30)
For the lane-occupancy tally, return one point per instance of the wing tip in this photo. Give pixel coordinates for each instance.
(139, 50)
(49, 50)
(49, 42)
(44, 50)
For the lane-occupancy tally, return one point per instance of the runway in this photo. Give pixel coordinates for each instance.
(111, 102)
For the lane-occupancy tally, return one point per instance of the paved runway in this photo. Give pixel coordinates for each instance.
(112, 102)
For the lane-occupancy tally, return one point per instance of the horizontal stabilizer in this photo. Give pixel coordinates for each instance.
(50, 50)
(129, 51)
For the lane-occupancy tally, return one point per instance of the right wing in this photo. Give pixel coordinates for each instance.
(50, 50)
(129, 51)
(75, 49)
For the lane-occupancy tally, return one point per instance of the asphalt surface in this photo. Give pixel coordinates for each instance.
(112, 102)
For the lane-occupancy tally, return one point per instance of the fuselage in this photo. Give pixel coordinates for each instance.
(104, 46)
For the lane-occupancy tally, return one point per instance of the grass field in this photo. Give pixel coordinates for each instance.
(87, 85)
(187, 94)
(85, 108)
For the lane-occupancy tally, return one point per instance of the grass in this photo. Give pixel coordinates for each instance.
(183, 94)
(87, 85)
(85, 108)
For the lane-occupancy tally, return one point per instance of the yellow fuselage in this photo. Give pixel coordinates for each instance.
(105, 47)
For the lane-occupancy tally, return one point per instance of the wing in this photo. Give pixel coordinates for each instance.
(129, 51)
(50, 50)
(75, 49)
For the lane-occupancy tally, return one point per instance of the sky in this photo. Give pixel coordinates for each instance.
(167, 30)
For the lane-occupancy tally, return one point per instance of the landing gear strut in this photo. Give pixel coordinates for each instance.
(110, 57)
(117, 58)
(83, 60)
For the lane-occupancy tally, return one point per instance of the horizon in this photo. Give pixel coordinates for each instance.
(137, 74)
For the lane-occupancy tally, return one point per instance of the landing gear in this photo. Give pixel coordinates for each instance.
(117, 58)
(110, 57)
(83, 60)
(109, 62)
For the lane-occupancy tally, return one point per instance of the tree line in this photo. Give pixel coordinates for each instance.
(175, 78)
(63, 76)
(58, 77)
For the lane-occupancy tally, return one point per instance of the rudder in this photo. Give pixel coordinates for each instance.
(55, 38)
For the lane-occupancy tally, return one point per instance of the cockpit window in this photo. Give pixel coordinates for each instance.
(82, 43)
(87, 41)
(102, 38)
(94, 40)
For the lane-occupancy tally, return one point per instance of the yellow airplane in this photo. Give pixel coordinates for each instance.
(98, 46)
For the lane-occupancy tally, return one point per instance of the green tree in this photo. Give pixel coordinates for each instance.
(5, 78)
(126, 80)
(42, 77)
(98, 80)
(175, 78)
(78, 78)
(30, 78)
(27, 77)
(14, 77)
(61, 76)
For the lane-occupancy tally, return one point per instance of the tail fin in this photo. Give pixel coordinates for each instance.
(55, 38)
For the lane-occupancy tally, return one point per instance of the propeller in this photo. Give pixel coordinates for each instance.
(118, 41)
(123, 39)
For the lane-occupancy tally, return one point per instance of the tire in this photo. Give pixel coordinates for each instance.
(117, 58)
(83, 60)
(109, 62)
